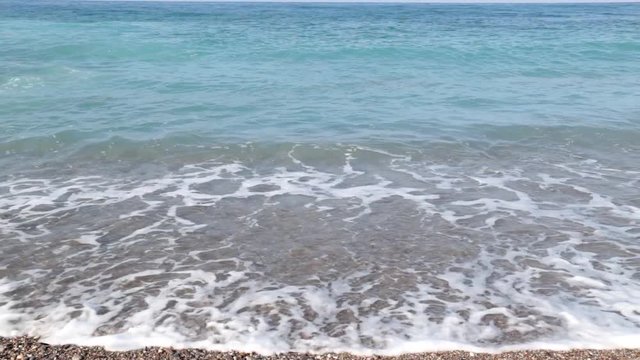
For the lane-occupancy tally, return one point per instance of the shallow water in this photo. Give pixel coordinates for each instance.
(367, 178)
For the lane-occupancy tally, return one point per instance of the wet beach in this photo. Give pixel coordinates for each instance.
(24, 348)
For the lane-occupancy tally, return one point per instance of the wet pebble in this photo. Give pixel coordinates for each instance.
(27, 348)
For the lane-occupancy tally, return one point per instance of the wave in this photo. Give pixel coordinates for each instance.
(347, 248)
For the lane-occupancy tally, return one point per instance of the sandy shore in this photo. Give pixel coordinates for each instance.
(24, 348)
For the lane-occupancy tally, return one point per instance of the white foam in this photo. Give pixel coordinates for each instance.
(472, 303)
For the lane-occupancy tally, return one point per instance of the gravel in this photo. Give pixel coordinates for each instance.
(29, 348)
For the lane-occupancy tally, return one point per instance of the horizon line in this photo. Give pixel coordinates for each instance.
(426, 2)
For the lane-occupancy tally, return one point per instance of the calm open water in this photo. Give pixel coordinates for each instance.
(313, 177)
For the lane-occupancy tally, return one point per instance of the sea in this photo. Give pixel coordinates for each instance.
(314, 177)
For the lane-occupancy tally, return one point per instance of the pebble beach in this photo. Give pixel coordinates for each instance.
(29, 348)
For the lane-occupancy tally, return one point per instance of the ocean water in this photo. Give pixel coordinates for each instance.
(373, 178)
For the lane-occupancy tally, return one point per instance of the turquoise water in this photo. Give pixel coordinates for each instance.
(312, 177)
(92, 71)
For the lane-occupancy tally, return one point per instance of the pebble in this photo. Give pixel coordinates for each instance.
(14, 348)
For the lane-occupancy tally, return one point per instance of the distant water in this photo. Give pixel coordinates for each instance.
(366, 178)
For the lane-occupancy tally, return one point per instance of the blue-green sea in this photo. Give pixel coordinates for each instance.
(370, 178)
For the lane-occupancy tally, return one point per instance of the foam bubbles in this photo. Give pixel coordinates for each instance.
(361, 250)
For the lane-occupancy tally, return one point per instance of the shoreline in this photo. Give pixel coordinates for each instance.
(25, 347)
